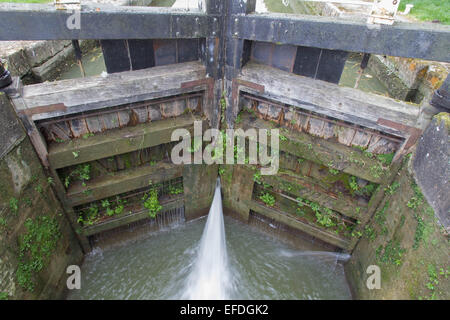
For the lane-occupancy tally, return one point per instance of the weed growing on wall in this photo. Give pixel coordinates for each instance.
(268, 199)
(81, 173)
(151, 202)
(35, 249)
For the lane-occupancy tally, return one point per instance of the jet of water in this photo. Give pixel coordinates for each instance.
(210, 278)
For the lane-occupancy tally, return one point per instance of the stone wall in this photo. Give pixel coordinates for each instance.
(408, 79)
(407, 242)
(26, 196)
(38, 61)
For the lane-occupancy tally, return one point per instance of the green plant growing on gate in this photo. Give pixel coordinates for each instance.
(50, 181)
(323, 215)
(151, 202)
(35, 248)
(174, 190)
(257, 177)
(81, 173)
(112, 210)
(333, 171)
(268, 199)
(223, 106)
(107, 206)
(120, 205)
(353, 184)
(89, 215)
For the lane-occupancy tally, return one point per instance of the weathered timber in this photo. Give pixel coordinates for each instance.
(84, 94)
(240, 190)
(299, 225)
(199, 182)
(309, 189)
(347, 104)
(121, 182)
(129, 218)
(101, 21)
(117, 141)
(330, 154)
(423, 41)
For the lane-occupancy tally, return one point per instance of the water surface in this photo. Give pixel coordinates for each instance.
(157, 266)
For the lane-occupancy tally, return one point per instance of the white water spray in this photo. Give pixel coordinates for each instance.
(210, 277)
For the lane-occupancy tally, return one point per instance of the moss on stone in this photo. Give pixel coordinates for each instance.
(443, 116)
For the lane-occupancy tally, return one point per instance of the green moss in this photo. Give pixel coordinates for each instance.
(443, 116)
(386, 158)
(380, 215)
(417, 199)
(391, 253)
(35, 249)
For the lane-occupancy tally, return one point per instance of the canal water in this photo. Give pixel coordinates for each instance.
(158, 265)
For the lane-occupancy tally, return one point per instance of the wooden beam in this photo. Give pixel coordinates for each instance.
(129, 218)
(117, 141)
(321, 151)
(328, 99)
(121, 182)
(20, 21)
(299, 225)
(310, 189)
(403, 39)
(97, 92)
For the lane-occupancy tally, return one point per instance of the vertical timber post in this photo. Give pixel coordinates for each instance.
(214, 57)
(234, 51)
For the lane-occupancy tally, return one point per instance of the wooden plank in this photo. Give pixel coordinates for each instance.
(328, 153)
(307, 188)
(129, 218)
(299, 225)
(154, 113)
(122, 181)
(141, 114)
(109, 120)
(117, 141)
(78, 127)
(94, 124)
(81, 95)
(124, 118)
(329, 99)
